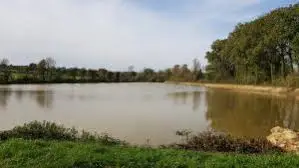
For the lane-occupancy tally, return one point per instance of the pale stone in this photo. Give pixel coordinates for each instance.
(285, 139)
(276, 129)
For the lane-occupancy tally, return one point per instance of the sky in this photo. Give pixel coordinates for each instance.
(115, 34)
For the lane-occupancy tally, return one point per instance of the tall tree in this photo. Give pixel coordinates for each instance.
(4, 68)
(197, 70)
(42, 69)
(50, 66)
(261, 50)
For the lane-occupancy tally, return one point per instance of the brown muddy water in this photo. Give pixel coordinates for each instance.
(145, 113)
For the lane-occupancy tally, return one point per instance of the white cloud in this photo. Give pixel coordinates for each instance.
(109, 33)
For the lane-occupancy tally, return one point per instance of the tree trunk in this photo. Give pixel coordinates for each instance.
(283, 68)
(271, 69)
(256, 75)
(291, 63)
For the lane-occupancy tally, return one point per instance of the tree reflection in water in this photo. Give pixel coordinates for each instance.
(198, 98)
(19, 94)
(43, 98)
(5, 94)
(240, 114)
(243, 114)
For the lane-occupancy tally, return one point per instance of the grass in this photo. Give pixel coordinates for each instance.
(19, 153)
(45, 144)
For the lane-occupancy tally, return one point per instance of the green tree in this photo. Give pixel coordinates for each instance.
(4, 68)
(83, 73)
(262, 50)
(92, 74)
(73, 72)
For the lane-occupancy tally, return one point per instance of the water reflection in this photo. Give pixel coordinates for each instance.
(44, 98)
(5, 94)
(181, 98)
(241, 114)
(141, 111)
(19, 95)
(196, 100)
(249, 114)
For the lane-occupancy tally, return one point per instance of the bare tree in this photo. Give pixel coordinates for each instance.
(50, 65)
(196, 65)
(197, 70)
(4, 62)
(42, 68)
(131, 68)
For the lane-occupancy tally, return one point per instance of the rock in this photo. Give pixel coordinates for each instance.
(285, 139)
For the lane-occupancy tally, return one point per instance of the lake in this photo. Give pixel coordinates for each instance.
(145, 113)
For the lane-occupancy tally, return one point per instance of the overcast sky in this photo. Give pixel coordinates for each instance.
(114, 34)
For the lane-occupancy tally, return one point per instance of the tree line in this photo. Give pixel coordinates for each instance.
(46, 71)
(265, 50)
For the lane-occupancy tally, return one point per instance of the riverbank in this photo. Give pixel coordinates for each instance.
(19, 153)
(246, 88)
(46, 144)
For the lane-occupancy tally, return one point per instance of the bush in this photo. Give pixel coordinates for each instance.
(52, 131)
(210, 141)
(291, 81)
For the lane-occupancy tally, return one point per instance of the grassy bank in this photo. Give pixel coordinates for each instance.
(45, 144)
(40, 153)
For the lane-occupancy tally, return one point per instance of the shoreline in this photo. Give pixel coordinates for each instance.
(47, 144)
(257, 89)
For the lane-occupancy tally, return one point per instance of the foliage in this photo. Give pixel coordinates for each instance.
(205, 141)
(184, 73)
(263, 50)
(52, 131)
(291, 80)
(45, 144)
(219, 142)
(45, 71)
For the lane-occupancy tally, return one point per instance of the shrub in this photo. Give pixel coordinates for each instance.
(218, 142)
(291, 81)
(52, 131)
